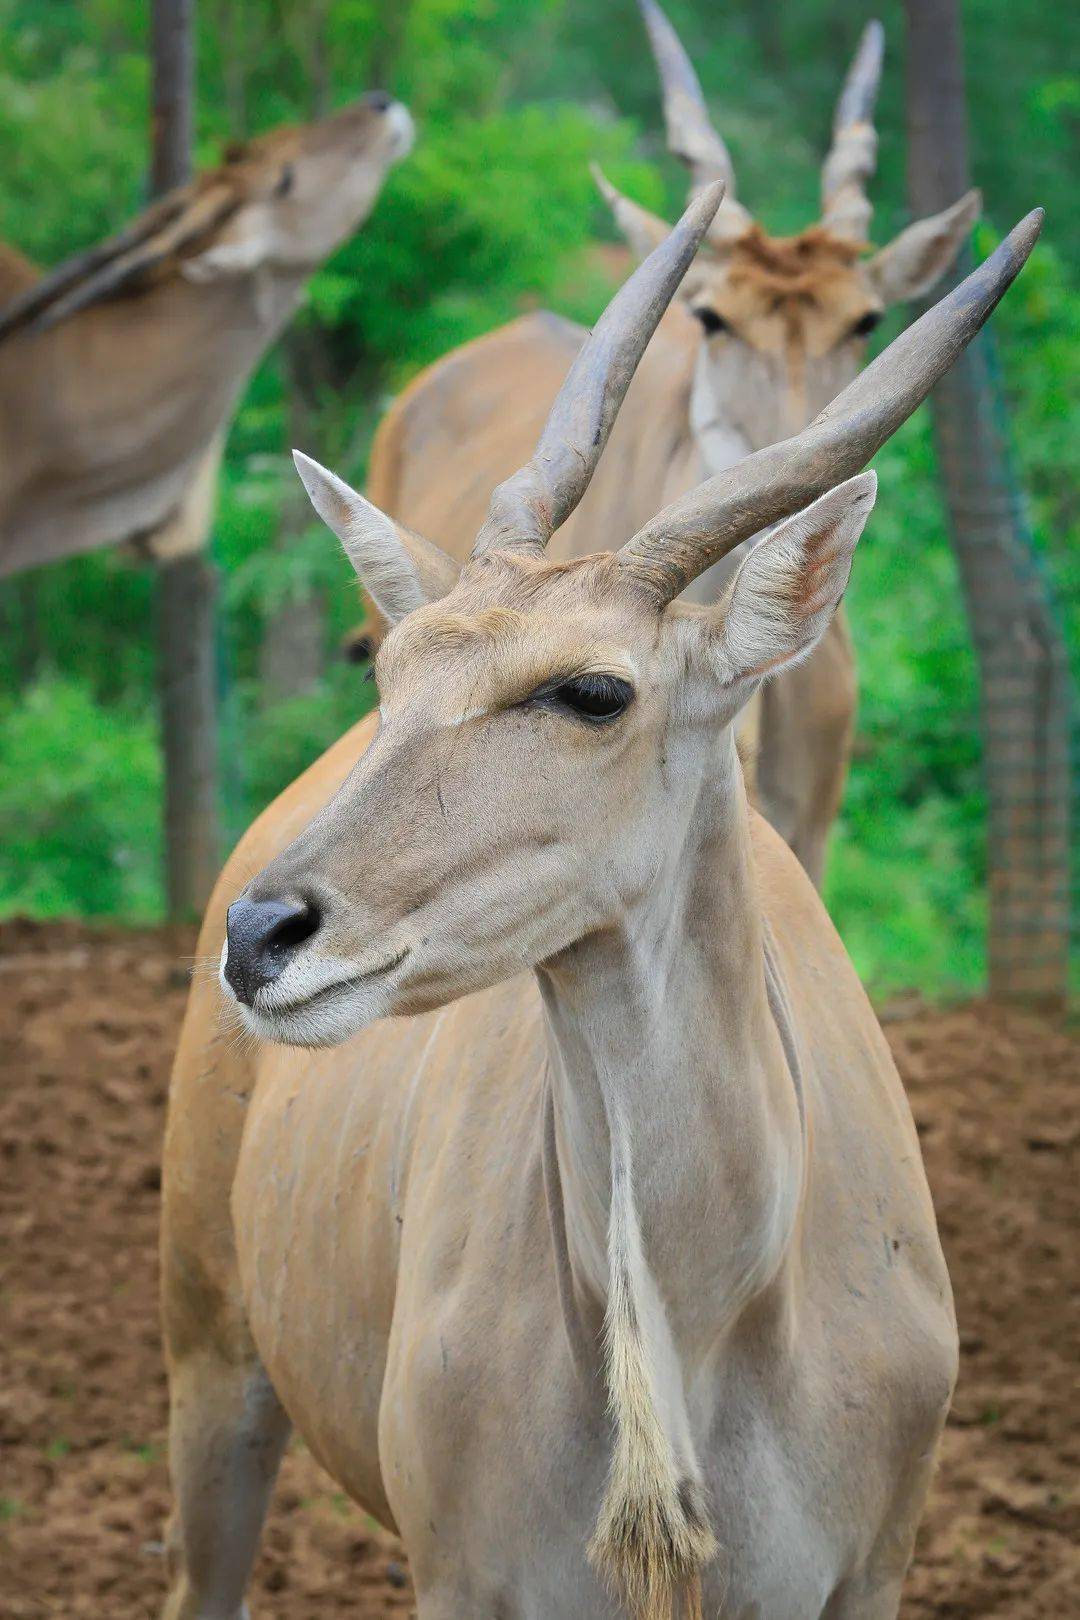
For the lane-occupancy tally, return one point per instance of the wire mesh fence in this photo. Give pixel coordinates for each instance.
(1029, 712)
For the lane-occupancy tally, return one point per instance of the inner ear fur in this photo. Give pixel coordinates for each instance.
(790, 583)
(400, 570)
(910, 265)
(642, 230)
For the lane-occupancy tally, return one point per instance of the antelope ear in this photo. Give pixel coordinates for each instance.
(790, 583)
(920, 255)
(242, 246)
(400, 570)
(643, 231)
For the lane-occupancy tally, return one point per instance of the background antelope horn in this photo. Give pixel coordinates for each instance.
(528, 508)
(855, 104)
(691, 136)
(708, 522)
(852, 157)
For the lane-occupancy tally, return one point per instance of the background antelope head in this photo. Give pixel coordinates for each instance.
(310, 187)
(540, 723)
(280, 202)
(784, 319)
(118, 369)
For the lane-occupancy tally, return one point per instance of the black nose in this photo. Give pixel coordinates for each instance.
(262, 936)
(379, 100)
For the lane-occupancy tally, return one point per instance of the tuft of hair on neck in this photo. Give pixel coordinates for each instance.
(652, 1537)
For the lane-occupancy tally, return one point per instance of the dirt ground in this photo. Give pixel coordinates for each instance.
(87, 1026)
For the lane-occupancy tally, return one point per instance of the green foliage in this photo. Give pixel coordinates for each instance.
(74, 164)
(493, 214)
(80, 810)
(486, 247)
(909, 847)
(282, 740)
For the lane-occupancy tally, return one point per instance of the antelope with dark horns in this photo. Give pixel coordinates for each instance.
(763, 333)
(567, 1200)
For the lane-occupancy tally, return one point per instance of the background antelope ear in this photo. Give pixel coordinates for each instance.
(400, 570)
(246, 242)
(790, 583)
(643, 231)
(920, 255)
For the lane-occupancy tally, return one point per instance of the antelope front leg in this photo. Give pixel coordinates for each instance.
(227, 1432)
(227, 1429)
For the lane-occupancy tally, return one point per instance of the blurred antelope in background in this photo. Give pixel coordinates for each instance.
(609, 1277)
(119, 370)
(765, 331)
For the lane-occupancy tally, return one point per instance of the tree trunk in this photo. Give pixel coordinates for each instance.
(1024, 675)
(765, 22)
(292, 653)
(186, 585)
(393, 23)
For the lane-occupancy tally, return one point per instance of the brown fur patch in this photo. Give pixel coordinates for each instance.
(791, 265)
(794, 297)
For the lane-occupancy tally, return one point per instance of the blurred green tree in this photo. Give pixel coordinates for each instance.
(495, 212)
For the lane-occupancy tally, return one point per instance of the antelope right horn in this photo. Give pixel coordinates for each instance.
(526, 510)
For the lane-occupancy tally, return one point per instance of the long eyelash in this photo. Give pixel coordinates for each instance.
(602, 686)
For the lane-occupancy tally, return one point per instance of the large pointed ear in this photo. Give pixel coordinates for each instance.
(400, 570)
(920, 255)
(790, 583)
(643, 231)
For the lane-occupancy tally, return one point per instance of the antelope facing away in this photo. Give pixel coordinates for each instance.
(609, 1277)
(120, 369)
(765, 331)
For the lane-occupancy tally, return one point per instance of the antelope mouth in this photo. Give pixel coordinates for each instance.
(330, 993)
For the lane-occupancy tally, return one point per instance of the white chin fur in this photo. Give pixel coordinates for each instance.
(329, 1024)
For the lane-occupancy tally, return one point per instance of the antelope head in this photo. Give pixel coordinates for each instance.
(784, 320)
(276, 207)
(545, 729)
(308, 188)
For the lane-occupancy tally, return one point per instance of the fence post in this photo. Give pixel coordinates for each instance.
(1023, 669)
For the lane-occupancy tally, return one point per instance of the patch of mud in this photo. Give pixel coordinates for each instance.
(88, 1021)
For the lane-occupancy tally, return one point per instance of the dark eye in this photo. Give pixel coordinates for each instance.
(866, 323)
(285, 181)
(594, 698)
(711, 322)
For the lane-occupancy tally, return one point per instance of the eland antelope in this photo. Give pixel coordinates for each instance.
(764, 332)
(608, 1275)
(120, 369)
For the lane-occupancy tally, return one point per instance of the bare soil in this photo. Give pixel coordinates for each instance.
(88, 1020)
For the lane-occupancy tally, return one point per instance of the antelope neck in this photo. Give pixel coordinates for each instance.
(667, 1068)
